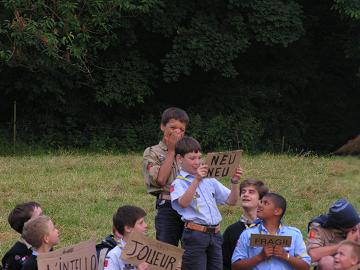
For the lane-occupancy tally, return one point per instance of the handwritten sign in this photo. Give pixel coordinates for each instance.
(159, 255)
(78, 257)
(223, 164)
(262, 240)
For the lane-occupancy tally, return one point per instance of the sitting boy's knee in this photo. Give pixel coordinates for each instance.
(326, 263)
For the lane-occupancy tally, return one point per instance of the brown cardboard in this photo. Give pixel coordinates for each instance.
(161, 256)
(262, 240)
(223, 164)
(77, 257)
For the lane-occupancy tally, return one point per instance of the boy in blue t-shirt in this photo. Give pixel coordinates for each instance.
(195, 198)
(270, 210)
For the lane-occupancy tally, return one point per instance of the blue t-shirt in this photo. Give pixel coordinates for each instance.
(243, 250)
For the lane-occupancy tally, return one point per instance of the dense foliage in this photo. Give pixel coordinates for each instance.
(253, 74)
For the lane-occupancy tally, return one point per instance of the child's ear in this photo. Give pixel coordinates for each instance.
(46, 239)
(128, 229)
(162, 127)
(116, 233)
(179, 158)
(278, 211)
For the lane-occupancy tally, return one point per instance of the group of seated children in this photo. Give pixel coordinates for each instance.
(263, 212)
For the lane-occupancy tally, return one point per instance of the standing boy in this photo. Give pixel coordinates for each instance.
(195, 197)
(127, 219)
(160, 169)
(251, 192)
(271, 210)
(41, 233)
(21, 250)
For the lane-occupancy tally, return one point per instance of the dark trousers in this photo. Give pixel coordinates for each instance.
(168, 224)
(202, 250)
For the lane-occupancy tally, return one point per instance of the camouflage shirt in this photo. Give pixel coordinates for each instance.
(153, 158)
(321, 237)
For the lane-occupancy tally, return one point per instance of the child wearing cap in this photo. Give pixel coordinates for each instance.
(327, 231)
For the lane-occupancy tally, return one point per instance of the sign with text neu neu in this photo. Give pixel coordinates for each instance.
(161, 256)
(77, 257)
(223, 164)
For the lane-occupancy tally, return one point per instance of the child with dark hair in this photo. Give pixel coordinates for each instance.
(270, 210)
(251, 192)
(195, 197)
(42, 235)
(160, 169)
(21, 250)
(127, 219)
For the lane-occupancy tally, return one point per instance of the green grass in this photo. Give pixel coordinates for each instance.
(80, 192)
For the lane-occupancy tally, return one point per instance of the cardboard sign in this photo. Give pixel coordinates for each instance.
(262, 240)
(78, 257)
(159, 255)
(223, 164)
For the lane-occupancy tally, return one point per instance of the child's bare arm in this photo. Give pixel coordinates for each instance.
(234, 193)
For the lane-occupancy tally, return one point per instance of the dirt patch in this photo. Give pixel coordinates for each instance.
(352, 147)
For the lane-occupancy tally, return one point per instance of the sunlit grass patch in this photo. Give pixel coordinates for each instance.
(80, 192)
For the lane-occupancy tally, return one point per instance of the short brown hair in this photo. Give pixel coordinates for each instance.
(127, 215)
(187, 145)
(355, 247)
(174, 113)
(20, 214)
(35, 229)
(259, 185)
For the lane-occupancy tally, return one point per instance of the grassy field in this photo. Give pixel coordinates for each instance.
(80, 192)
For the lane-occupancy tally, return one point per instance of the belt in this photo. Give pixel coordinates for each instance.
(164, 197)
(202, 228)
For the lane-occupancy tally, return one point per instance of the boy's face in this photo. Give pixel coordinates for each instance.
(249, 197)
(52, 238)
(344, 258)
(190, 162)
(173, 128)
(140, 226)
(37, 212)
(267, 209)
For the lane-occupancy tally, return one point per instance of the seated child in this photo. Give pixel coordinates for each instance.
(42, 235)
(271, 210)
(195, 198)
(251, 192)
(342, 222)
(347, 256)
(21, 250)
(107, 244)
(127, 219)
